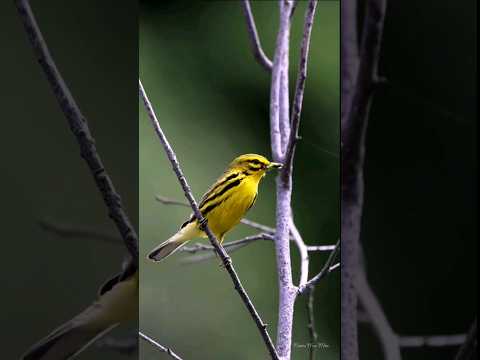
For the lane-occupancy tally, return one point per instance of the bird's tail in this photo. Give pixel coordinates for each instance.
(117, 303)
(68, 340)
(168, 247)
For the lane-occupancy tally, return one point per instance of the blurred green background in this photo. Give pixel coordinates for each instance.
(47, 279)
(212, 100)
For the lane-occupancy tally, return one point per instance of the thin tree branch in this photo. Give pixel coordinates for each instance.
(79, 127)
(231, 244)
(357, 89)
(76, 232)
(468, 351)
(300, 85)
(311, 321)
(227, 262)
(386, 335)
(320, 247)
(159, 346)
(257, 50)
(431, 340)
(327, 268)
(303, 250)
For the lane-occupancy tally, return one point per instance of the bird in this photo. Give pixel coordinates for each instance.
(223, 205)
(117, 302)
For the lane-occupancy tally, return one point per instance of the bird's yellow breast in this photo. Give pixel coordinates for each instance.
(229, 213)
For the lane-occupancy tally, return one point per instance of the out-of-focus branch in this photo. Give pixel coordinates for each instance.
(227, 262)
(79, 127)
(431, 340)
(468, 351)
(387, 337)
(78, 232)
(257, 50)
(159, 346)
(127, 346)
(357, 85)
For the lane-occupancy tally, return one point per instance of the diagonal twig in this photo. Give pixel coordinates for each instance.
(76, 232)
(79, 127)
(257, 50)
(159, 346)
(327, 268)
(227, 262)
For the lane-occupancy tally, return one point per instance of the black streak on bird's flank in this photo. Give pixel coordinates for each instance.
(223, 191)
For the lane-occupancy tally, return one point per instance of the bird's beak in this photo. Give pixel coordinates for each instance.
(274, 165)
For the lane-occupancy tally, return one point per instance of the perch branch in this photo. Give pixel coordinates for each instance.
(257, 50)
(231, 244)
(159, 346)
(227, 262)
(79, 127)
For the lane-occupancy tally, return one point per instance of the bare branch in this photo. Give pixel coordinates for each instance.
(431, 340)
(320, 247)
(327, 268)
(159, 346)
(286, 289)
(257, 50)
(387, 337)
(227, 262)
(300, 85)
(76, 232)
(79, 127)
(231, 244)
(357, 90)
(302, 249)
(468, 351)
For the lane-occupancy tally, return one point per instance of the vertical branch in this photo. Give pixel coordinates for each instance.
(357, 89)
(227, 262)
(287, 291)
(79, 127)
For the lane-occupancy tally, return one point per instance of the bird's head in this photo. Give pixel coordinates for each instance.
(253, 164)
